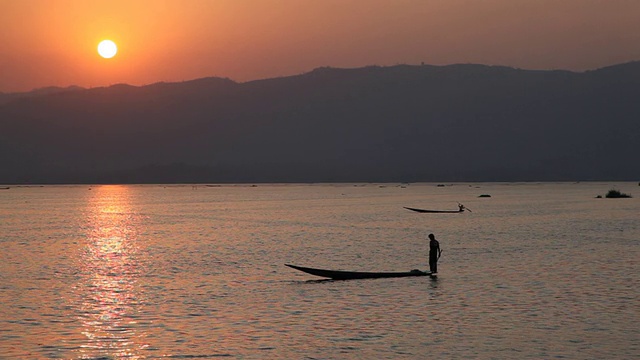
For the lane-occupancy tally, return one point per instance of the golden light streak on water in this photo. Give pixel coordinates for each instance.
(108, 291)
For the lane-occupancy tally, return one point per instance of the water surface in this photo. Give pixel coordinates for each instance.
(145, 272)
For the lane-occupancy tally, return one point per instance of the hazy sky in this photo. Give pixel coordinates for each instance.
(53, 42)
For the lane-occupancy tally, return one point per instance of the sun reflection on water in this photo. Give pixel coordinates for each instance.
(109, 294)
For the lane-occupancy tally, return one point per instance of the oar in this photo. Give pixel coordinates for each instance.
(464, 207)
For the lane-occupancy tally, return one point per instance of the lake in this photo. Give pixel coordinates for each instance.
(536, 270)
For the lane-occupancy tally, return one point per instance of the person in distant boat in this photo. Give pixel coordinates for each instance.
(434, 253)
(460, 207)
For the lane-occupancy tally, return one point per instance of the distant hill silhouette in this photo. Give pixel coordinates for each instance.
(6, 98)
(400, 123)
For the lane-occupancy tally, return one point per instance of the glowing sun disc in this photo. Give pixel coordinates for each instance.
(107, 49)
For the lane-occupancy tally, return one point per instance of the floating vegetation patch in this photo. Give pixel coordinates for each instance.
(616, 194)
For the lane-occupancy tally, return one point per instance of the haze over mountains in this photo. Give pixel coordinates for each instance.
(401, 123)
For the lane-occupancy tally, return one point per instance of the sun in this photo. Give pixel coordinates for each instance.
(107, 49)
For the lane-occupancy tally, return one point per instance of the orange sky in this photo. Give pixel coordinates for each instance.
(53, 42)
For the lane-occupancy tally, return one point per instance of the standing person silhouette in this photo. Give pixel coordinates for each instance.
(434, 253)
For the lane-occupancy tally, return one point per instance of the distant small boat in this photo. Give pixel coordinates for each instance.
(461, 208)
(5, 188)
(433, 211)
(351, 275)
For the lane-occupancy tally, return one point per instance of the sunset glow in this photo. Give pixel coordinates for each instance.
(45, 43)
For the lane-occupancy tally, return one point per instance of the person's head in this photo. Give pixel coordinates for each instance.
(432, 237)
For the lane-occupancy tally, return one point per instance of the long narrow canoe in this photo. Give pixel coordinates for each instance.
(434, 211)
(348, 275)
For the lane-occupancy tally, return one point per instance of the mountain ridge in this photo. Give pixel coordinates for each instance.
(461, 122)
